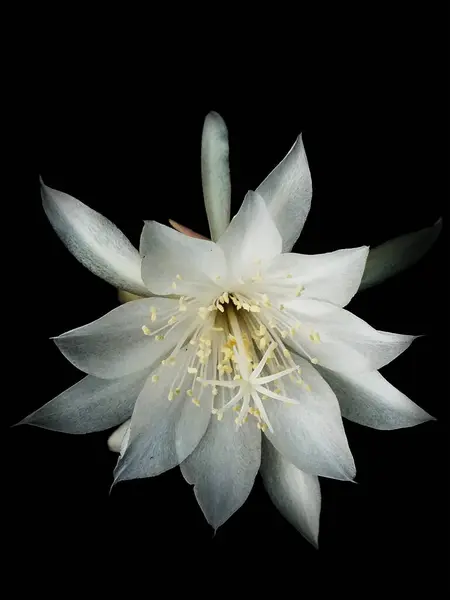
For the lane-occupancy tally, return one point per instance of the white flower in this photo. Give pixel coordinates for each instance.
(251, 363)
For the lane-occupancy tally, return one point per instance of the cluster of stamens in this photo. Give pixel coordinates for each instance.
(238, 345)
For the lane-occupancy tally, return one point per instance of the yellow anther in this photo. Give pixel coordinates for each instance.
(261, 426)
(299, 370)
(193, 342)
(246, 306)
(182, 307)
(281, 306)
(307, 387)
(314, 336)
(152, 313)
(237, 377)
(299, 290)
(192, 370)
(286, 353)
(264, 397)
(177, 391)
(284, 334)
(256, 412)
(221, 308)
(217, 277)
(159, 338)
(190, 393)
(277, 391)
(178, 276)
(225, 298)
(289, 275)
(170, 396)
(155, 378)
(174, 285)
(146, 330)
(195, 401)
(214, 391)
(172, 320)
(171, 360)
(245, 419)
(315, 361)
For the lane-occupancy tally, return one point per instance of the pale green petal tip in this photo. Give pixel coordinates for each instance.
(396, 255)
(216, 174)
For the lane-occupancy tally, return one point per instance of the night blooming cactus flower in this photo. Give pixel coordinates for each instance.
(238, 355)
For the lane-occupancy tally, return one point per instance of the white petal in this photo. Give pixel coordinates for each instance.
(287, 193)
(223, 468)
(94, 241)
(251, 238)
(334, 276)
(116, 439)
(163, 433)
(347, 343)
(394, 256)
(90, 405)
(310, 434)
(115, 345)
(216, 174)
(369, 399)
(295, 494)
(199, 264)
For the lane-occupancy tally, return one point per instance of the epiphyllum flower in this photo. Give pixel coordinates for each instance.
(242, 355)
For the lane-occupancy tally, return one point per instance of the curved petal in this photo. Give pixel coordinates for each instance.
(164, 432)
(251, 238)
(310, 434)
(90, 405)
(369, 399)
(287, 192)
(396, 255)
(347, 343)
(334, 276)
(94, 241)
(118, 437)
(175, 263)
(115, 345)
(223, 468)
(216, 174)
(295, 494)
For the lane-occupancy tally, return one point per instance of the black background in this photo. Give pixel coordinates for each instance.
(121, 132)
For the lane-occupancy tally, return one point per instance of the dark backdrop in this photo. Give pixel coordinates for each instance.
(125, 140)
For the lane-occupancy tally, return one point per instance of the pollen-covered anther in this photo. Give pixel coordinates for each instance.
(314, 336)
(182, 306)
(299, 290)
(196, 401)
(192, 370)
(314, 360)
(152, 313)
(155, 378)
(159, 338)
(172, 320)
(146, 330)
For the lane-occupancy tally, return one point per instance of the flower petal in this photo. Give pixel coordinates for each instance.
(114, 345)
(347, 343)
(162, 432)
(223, 468)
(216, 174)
(96, 242)
(396, 255)
(369, 399)
(178, 264)
(117, 438)
(310, 434)
(334, 276)
(251, 238)
(295, 494)
(92, 404)
(287, 193)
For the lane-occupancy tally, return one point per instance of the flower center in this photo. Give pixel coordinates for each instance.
(238, 354)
